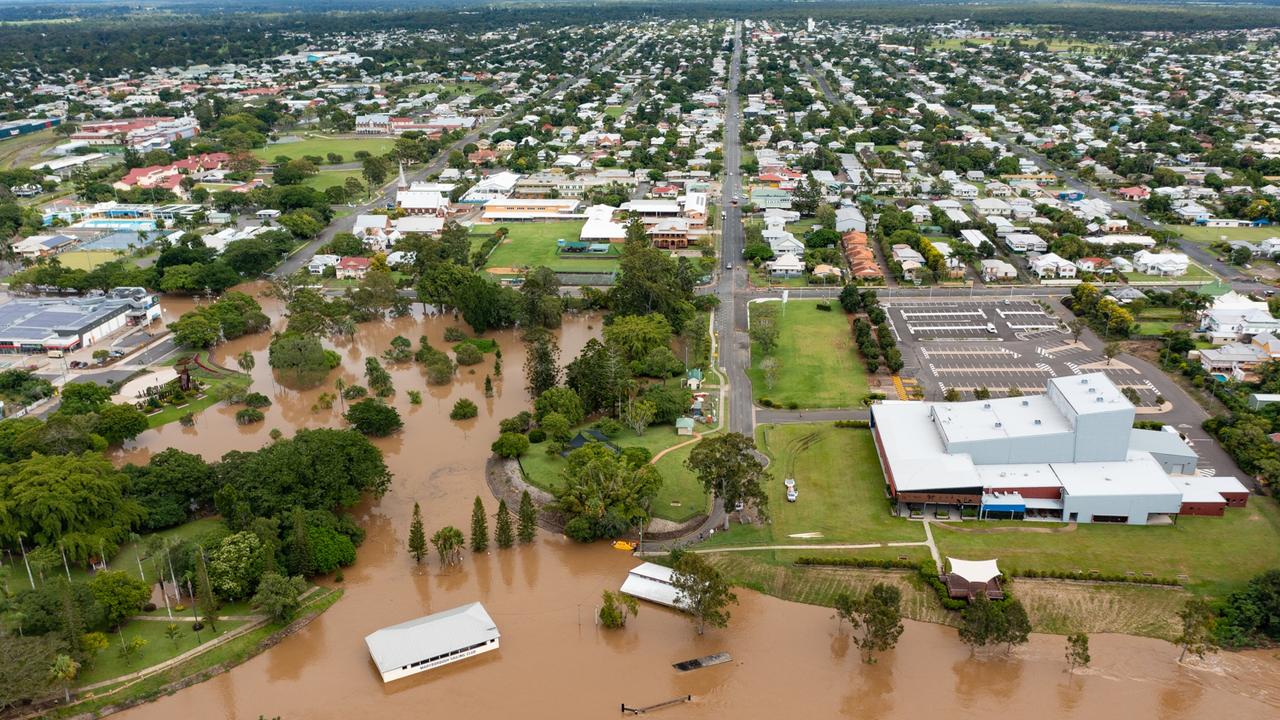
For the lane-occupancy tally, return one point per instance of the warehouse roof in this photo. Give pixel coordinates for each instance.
(404, 644)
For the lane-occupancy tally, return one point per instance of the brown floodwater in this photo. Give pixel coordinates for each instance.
(789, 660)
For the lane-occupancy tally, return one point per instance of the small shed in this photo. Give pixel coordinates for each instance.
(684, 426)
(969, 578)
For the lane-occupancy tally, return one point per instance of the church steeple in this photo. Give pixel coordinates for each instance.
(402, 184)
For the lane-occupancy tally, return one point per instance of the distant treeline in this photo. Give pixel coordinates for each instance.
(115, 36)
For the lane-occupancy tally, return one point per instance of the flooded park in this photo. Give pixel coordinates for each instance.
(789, 660)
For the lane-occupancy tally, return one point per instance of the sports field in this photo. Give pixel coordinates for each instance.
(322, 146)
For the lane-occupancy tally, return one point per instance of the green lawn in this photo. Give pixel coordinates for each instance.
(533, 244)
(820, 367)
(326, 179)
(126, 559)
(614, 111)
(108, 663)
(1217, 554)
(322, 146)
(87, 259)
(1207, 235)
(681, 496)
(841, 490)
(24, 150)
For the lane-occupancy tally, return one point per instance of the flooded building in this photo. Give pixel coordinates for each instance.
(651, 582)
(432, 641)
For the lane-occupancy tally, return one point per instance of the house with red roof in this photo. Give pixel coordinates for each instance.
(354, 268)
(169, 177)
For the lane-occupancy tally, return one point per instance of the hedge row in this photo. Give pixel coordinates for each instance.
(1093, 577)
(853, 423)
(884, 564)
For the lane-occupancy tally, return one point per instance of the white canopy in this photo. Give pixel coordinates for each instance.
(974, 571)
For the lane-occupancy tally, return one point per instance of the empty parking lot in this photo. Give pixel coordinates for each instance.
(1003, 346)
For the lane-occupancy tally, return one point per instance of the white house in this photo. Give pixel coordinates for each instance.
(1167, 264)
(1025, 242)
(1050, 265)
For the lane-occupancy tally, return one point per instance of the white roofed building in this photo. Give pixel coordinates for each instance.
(432, 641)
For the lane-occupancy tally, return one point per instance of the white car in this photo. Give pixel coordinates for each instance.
(792, 494)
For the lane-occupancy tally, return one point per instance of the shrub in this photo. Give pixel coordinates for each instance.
(824, 307)
(415, 397)
(766, 402)
(853, 423)
(354, 392)
(487, 345)
(469, 354)
(510, 445)
(454, 334)
(793, 405)
(248, 416)
(374, 417)
(197, 626)
(537, 435)
(464, 409)
(149, 607)
(610, 427)
(257, 400)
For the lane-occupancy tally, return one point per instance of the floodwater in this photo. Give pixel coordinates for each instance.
(789, 660)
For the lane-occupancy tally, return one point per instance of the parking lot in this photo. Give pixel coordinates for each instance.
(1004, 346)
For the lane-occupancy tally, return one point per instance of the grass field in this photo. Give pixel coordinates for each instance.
(1057, 45)
(1207, 235)
(108, 663)
(819, 365)
(87, 259)
(322, 146)
(841, 490)
(1158, 320)
(23, 150)
(614, 111)
(328, 178)
(1216, 554)
(680, 498)
(533, 244)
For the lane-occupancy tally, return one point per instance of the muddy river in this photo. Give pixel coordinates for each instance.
(789, 660)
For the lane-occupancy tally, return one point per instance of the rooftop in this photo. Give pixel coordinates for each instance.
(400, 645)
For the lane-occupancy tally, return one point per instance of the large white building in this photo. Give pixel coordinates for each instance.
(432, 641)
(1070, 454)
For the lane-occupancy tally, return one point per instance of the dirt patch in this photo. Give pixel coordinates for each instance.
(1062, 607)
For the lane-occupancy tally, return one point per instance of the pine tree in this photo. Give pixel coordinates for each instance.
(505, 537)
(488, 386)
(479, 527)
(208, 606)
(528, 519)
(417, 536)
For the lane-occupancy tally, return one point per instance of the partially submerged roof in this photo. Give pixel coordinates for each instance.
(651, 582)
(400, 645)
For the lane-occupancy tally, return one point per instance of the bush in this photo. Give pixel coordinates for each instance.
(537, 435)
(454, 333)
(793, 405)
(197, 626)
(510, 445)
(766, 402)
(469, 354)
(824, 307)
(464, 409)
(248, 416)
(610, 427)
(149, 607)
(257, 400)
(853, 423)
(354, 392)
(858, 562)
(373, 417)
(487, 345)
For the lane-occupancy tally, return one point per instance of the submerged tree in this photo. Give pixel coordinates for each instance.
(504, 534)
(1077, 651)
(528, 519)
(479, 527)
(448, 542)
(702, 591)
(615, 607)
(417, 536)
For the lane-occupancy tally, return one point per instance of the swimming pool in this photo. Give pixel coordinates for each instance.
(118, 224)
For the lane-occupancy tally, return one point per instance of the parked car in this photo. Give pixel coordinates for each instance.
(792, 494)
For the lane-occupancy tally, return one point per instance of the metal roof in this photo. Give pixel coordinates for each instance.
(404, 644)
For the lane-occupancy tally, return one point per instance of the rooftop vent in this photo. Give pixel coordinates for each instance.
(1101, 399)
(1037, 421)
(986, 406)
(1093, 390)
(1026, 403)
(1084, 381)
(999, 424)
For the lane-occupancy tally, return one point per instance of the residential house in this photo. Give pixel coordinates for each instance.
(1050, 265)
(1165, 264)
(352, 268)
(1025, 242)
(996, 270)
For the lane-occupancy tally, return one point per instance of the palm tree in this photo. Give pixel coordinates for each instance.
(339, 385)
(245, 361)
(64, 670)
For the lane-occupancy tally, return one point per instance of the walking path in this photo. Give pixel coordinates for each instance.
(826, 546)
(197, 650)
